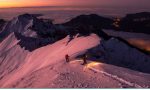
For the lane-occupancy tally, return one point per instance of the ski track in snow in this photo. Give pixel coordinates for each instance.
(117, 78)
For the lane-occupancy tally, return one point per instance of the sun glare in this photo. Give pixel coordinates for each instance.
(91, 65)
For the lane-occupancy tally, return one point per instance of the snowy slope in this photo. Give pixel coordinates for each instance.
(48, 55)
(32, 54)
(8, 43)
(46, 68)
(12, 55)
(75, 75)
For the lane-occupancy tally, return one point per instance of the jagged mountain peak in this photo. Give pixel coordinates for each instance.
(29, 16)
(28, 29)
(26, 24)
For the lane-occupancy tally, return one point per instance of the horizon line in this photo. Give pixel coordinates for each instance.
(73, 6)
(50, 6)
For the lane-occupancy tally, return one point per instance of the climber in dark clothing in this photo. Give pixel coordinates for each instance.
(67, 58)
(84, 59)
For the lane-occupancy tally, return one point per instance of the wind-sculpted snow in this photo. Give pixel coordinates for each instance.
(48, 55)
(11, 56)
(8, 43)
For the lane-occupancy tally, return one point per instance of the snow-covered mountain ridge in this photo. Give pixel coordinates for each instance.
(31, 44)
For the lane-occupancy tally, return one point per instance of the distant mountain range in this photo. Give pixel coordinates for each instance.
(138, 22)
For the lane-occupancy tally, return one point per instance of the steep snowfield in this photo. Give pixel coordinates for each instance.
(8, 43)
(48, 55)
(11, 56)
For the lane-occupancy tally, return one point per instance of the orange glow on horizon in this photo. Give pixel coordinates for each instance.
(27, 3)
(112, 3)
(30, 3)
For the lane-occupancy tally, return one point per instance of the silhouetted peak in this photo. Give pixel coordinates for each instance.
(29, 16)
(2, 21)
(139, 15)
(92, 20)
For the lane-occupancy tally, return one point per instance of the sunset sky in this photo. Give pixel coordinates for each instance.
(27, 3)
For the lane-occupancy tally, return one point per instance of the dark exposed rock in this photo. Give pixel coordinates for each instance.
(87, 24)
(91, 20)
(30, 43)
(138, 22)
(2, 23)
